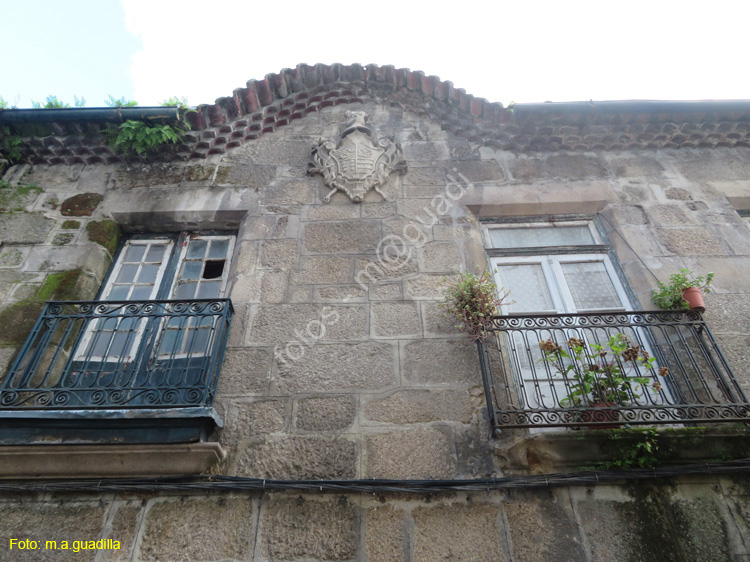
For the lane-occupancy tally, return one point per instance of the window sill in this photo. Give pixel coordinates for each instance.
(107, 461)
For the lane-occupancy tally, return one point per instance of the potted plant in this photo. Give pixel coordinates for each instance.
(600, 376)
(471, 301)
(684, 291)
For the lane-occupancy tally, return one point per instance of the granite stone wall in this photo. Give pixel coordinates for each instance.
(340, 364)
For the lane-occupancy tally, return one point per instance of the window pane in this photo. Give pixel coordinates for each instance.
(218, 249)
(192, 270)
(119, 293)
(528, 287)
(127, 274)
(148, 274)
(541, 236)
(134, 253)
(185, 291)
(590, 286)
(155, 253)
(197, 249)
(141, 293)
(209, 289)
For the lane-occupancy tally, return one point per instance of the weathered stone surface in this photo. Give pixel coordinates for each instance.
(279, 254)
(11, 257)
(55, 521)
(374, 270)
(145, 176)
(180, 529)
(323, 269)
(436, 322)
(345, 322)
(200, 174)
(360, 236)
(285, 323)
(273, 287)
(727, 312)
(426, 151)
(24, 228)
(328, 532)
(332, 413)
(564, 166)
(458, 532)
(395, 319)
(248, 419)
(691, 241)
(292, 457)
(247, 175)
(700, 526)
(640, 166)
(385, 292)
(425, 176)
(384, 534)
(554, 535)
(293, 192)
(427, 286)
(440, 257)
(419, 406)
(245, 371)
(377, 210)
(276, 151)
(670, 215)
(440, 362)
(331, 212)
(123, 529)
(413, 454)
(401, 232)
(345, 293)
(358, 366)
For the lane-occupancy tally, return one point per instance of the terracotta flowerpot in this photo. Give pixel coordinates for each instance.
(594, 415)
(694, 297)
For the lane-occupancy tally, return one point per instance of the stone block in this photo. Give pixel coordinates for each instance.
(330, 212)
(345, 322)
(343, 293)
(296, 457)
(377, 210)
(692, 241)
(273, 287)
(424, 212)
(245, 289)
(458, 532)
(384, 534)
(639, 166)
(193, 528)
(57, 521)
(199, 174)
(436, 322)
(12, 257)
(440, 257)
(257, 227)
(434, 176)
(124, 527)
(245, 371)
(402, 231)
(473, 172)
(395, 319)
(375, 270)
(385, 292)
(299, 528)
(279, 254)
(323, 269)
(700, 520)
(24, 228)
(563, 166)
(284, 323)
(145, 176)
(329, 413)
(447, 362)
(279, 152)
(412, 455)
(290, 191)
(55, 176)
(420, 406)
(427, 286)
(357, 366)
(669, 215)
(719, 167)
(554, 537)
(425, 151)
(343, 237)
(249, 419)
(245, 175)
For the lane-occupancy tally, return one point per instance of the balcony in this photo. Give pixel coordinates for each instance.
(607, 370)
(117, 372)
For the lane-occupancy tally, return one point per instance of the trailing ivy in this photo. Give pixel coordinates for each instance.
(10, 145)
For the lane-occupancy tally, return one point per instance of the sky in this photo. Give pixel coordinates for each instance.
(529, 51)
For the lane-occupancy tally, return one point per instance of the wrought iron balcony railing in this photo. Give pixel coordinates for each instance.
(118, 355)
(607, 369)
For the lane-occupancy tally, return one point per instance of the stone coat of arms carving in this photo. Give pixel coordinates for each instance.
(356, 161)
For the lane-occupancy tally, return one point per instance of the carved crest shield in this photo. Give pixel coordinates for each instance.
(356, 161)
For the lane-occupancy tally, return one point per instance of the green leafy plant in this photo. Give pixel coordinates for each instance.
(121, 102)
(597, 373)
(10, 145)
(3, 103)
(669, 296)
(141, 138)
(640, 453)
(471, 301)
(175, 101)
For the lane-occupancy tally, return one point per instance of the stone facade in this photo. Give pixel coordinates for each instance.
(340, 365)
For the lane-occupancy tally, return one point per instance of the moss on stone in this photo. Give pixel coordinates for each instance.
(71, 225)
(81, 205)
(62, 239)
(18, 319)
(106, 233)
(18, 197)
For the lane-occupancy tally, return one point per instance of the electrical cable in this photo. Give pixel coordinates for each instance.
(211, 483)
